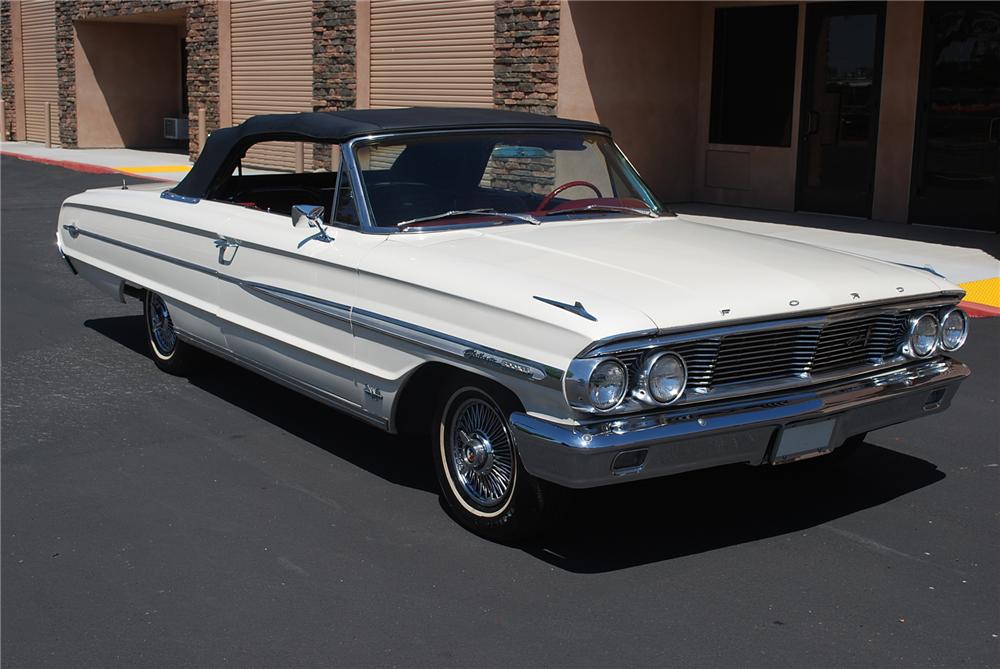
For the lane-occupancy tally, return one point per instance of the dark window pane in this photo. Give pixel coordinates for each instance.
(753, 75)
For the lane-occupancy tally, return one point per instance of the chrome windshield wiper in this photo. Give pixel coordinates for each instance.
(468, 212)
(604, 207)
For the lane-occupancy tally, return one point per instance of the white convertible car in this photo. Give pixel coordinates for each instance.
(507, 284)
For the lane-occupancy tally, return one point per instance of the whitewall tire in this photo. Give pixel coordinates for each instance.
(482, 481)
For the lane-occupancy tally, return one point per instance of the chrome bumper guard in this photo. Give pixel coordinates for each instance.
(696, 437)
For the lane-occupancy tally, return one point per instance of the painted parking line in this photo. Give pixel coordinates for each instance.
(982, 297)
(154, 169)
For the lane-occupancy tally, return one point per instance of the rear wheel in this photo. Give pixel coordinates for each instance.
(168, 352)
(482, 480)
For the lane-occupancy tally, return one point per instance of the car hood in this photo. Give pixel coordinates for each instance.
(628, 275)
(680, 273)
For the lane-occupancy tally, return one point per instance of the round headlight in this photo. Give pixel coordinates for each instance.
(954, 329)
(666, 377)
(923, 335)
(607, 385)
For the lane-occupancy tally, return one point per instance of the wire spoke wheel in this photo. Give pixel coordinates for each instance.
(161, 327)
(481, 453)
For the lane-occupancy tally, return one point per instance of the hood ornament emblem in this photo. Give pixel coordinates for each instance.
(793, 303)
(856, 296)
(577, 308)
(724, 312)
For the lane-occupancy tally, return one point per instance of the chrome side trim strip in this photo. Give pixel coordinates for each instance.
(146, 252)
(145, 219)
(478, 355)
(297, 385)
(340, 312)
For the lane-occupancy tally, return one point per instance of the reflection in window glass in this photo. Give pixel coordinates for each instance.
(346, 212)
(531, 173)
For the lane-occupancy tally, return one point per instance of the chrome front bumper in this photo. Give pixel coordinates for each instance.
(696, 437)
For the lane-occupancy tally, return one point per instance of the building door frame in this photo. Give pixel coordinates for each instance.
(815, 13)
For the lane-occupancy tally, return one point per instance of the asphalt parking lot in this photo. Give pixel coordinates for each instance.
(222, 520)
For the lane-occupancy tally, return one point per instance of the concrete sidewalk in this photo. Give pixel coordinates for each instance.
(158, 165)
(965, 257)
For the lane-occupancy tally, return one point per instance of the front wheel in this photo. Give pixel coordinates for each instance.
(482, 481)
(168, 352)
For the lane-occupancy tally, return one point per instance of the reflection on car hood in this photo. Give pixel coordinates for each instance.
(681, 273)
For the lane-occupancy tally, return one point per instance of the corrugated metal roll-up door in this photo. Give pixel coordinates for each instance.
(272, 71)
(432, 53)
(41, 80)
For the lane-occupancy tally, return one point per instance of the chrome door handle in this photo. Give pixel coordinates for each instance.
(227, 243)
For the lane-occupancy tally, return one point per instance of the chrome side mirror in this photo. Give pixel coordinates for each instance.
(307, 216)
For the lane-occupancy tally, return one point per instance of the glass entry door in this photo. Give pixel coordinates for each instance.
(956, 167)
(840, 95)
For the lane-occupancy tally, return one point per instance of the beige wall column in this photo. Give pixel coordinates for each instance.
(17, 62)
(225, 64)
(897, 110)
(363, 53)
(633, 66)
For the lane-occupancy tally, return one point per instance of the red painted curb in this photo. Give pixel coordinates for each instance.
(76, 167)
(976, 310)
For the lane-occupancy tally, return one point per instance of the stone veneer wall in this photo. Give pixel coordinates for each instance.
(202, 56)
(7, 68)
(526, 55)
(334, 57)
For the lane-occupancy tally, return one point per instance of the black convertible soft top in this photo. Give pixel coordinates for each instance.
(226, 146)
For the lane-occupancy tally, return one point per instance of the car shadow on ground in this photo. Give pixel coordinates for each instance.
(648, 521)
(387, 456)
(605, 529)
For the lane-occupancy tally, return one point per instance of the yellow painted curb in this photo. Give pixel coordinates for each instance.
(152, 169)
(984, 291)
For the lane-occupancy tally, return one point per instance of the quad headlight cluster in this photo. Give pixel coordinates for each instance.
(603, 384)
(929, 331)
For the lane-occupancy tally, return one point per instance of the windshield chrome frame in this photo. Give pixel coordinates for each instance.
(349, 158)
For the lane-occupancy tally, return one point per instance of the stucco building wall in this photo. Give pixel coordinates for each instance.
(633, 66)
(127, 79)
(201, 30)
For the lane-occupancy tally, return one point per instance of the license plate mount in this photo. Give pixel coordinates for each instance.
(804, 440)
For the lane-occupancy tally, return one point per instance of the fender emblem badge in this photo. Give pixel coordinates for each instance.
(373, 392)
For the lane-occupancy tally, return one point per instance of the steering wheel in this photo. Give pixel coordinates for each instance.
(558, 189)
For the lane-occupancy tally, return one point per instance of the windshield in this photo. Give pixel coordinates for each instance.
(498, 177)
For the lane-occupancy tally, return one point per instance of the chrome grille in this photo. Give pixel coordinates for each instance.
(754, 356)
(766, 355)
(699, 357)
(858, 342)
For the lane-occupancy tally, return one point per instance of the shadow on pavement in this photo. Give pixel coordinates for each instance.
(607, 529)
(649, 521)
(387, 456)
